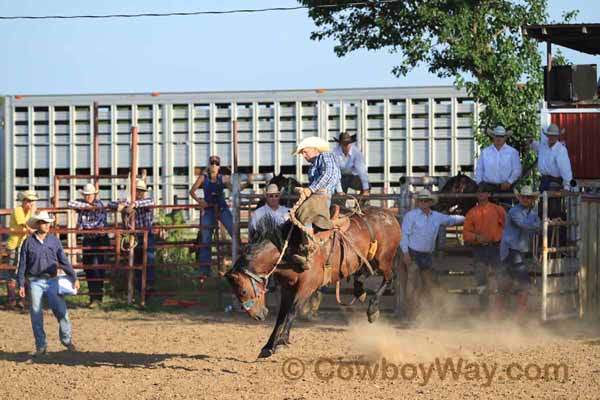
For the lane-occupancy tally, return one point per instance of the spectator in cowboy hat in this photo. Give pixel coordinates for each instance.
(323, 177)
(483, 230)
(352, 165)
(142, 209)
(420, 227)
(18, 233)
(42, 255)
(513, 276)
(553, 160)
(498, 164)
(91, 215)
(272, 209)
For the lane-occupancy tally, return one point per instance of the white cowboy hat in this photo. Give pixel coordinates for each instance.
(553, 130)
(89, 188)
(312, 141)
(426, 195)
(498, 131)
(40, 216)
(272, 189)
(141, 185)
(27, 195)
(526, 191)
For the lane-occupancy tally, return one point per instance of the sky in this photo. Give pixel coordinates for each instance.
(264, 51)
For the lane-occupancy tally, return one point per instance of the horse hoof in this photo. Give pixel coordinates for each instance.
(372, 317)
(266, 353)
(281, 348)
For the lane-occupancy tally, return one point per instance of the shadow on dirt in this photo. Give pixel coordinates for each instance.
(106, 359)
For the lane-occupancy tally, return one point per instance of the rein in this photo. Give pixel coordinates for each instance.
(255, 278)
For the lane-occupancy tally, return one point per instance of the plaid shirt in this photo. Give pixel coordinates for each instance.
(324, 173)
(86, 218)
(144, 216)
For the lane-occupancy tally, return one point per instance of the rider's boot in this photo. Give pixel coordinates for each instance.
(305, 253)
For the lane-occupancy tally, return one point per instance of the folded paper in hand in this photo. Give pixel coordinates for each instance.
(65, 286)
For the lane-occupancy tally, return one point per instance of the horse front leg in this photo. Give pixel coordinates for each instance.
(287, 296)
(300, 300)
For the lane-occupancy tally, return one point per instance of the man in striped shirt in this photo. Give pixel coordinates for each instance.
(323, 176)
(92, 216)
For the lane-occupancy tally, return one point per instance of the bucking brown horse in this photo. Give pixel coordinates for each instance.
(342, 252)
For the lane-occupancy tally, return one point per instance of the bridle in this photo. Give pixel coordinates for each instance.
(255, 278)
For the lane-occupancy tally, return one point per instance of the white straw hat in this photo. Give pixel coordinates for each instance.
(27, 195)
(40, 216)
(554, 130)
(272, 189)
(141, 185)
(526, 191)
(312, 141)
(499, 131)
(426, 195)
(89, 188)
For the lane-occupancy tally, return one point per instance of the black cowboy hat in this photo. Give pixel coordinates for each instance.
(345, 137)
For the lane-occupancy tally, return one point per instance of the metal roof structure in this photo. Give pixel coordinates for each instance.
(581, 37)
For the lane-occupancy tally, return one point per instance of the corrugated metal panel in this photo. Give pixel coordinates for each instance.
(583, 141)
(398, 129)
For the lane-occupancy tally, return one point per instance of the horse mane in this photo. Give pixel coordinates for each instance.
(269, 231)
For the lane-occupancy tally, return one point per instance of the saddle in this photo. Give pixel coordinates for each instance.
(341, 224)
(339, 221)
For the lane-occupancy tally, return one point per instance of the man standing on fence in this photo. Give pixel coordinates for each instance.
(323, 177)
(420, 228)
(141, 207)
(483, 230)
(554, 166)
(352, 165)
(92, 215)
(214, 209)
(41, 256)
(499, 164)
(18, 233)
(522, 221)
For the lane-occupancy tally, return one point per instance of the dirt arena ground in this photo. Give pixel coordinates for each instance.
(135, 355)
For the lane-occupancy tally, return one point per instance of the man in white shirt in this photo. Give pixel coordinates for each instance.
(553, 160)
(498, 165)
(554, 166)
(352, 165)
(420, 227)
(278, 213)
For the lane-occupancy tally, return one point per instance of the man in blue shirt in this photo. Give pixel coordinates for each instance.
(323, 177)
(420, 228)
(352, 165)
(522, 221)
(41, 256)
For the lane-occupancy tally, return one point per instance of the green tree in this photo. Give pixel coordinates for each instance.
(476, 42)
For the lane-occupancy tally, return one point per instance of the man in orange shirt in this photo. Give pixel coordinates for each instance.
(483, 229)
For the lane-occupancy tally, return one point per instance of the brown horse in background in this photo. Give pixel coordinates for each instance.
(252, 269)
